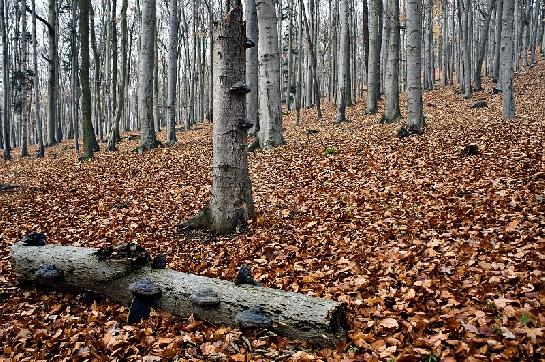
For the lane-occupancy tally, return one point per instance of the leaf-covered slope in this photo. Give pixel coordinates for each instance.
(435, 254)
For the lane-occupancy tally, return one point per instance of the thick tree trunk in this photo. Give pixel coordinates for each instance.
(270, 114)
(172, 70)
(293, 315)
(373, 71)
(145, 77)
(231, 205)
(415, 120)
(252, 99)
(506, 60)
(89, 139)
(391, 99)
(343, 63)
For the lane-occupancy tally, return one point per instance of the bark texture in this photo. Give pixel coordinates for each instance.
(252, 100)
(506, 60)
(373, 72)
(415, 120)
(344, 55)
(391, 89)
(270, 122)
(231, 205)
(293, 315)
(172, 70)
(145, 76)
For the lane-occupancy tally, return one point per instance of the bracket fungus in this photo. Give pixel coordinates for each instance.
(47, 273)
(239, 89)
(145, 296)
(253, 318)
(34, 238)
(205, 298)
(244, 276)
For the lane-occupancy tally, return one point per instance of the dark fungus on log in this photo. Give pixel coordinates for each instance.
(239, 89)
(34, 238)
(205, 298)
(145, 296)
(159, 262)
(479, 104)
(244, 276)
(253, 318)
(129, 252)
(47, 273)
(469, 150)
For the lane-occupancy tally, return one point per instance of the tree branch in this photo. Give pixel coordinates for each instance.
(46, 23)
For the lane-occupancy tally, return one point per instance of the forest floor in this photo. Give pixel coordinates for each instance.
(437, 256)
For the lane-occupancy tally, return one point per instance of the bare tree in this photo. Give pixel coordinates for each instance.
(343, 62)
(37, 103)
(373, 71)
(5, 82)
(270, 121)
(145, 76)
(172, 70)
(231, 205)
(506, 60)
(252, 33)
(415, 120)
(391, 89)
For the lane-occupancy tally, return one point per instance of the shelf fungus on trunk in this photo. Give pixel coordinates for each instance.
(145, 296)
(206, 298)
(239, 89)
(47, 273)
(249, 43)
(34, 239)
(253, 318)
(244, 276)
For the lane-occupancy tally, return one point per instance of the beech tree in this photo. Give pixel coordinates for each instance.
(252, 33)
(231, 204)
(145, 77)
(343, 63)
(270, 113)
(506, 60)
(5, 82)
(373, 71)
(415, 119)
(172, 70)
(391, 89)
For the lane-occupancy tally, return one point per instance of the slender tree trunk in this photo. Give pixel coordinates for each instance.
(25, 86)
(483, 45)
(415, 120)
(252, 99)
(497, 41)
(172, 70)
(507, 60)
(74, 91)
(145, 76)
(52, 91)
(299, 96)
(5, 83)
(89, 139)
(466, 47)
(290, 56)
(373, 72)
(270, 121)
(98, 97)
(37, 114)
(391, 100)
(343, 62)
(116, 137)
(314, 65)
(444, 45)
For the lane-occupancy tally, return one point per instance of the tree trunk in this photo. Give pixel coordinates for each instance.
(5, 83)
(466, 47)
(37, 105)
(252, 99)
(415, 120)
(74, 91)
(391, 100)
(373, 71)
(482, 47)
(497, 41)
(25, 80)
(293, 315)
(507, 60)
(98, 98)
(231, 205)
(172, 70)
(270, 121)
(115, 136)
(313, 65)
(145, 77)
(343, 62)
(52, 76)
(89, 139)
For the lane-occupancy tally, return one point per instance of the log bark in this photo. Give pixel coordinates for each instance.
(293, 315)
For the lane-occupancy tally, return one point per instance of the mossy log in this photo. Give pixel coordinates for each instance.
(294, 315)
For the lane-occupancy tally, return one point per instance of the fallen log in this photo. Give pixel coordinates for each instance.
(294, 315)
